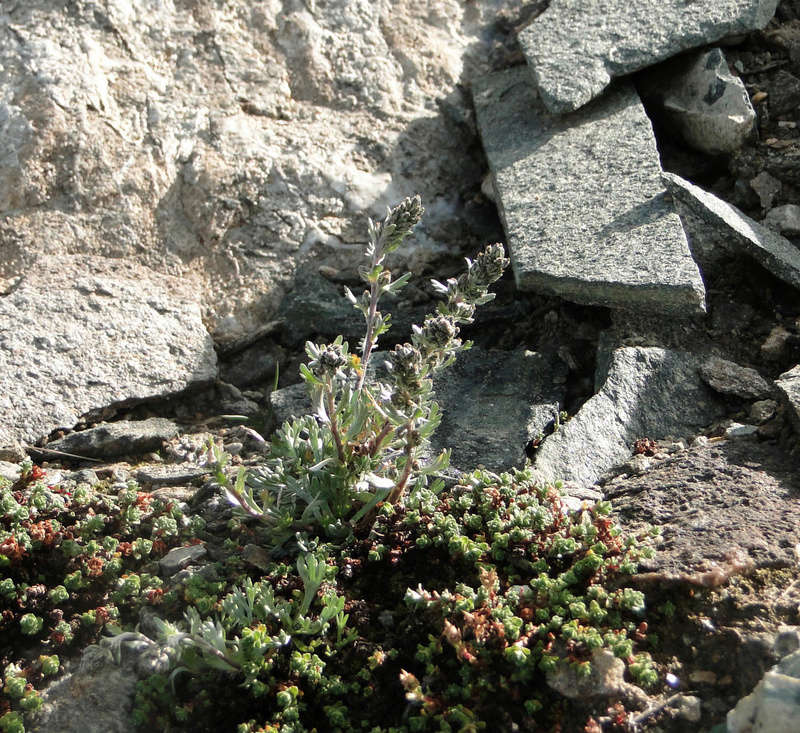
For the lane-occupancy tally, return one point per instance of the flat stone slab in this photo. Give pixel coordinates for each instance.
(114, 439)
(776, 253)
(575, 48)
(582, 201)
(493, 403)
(646, 392)
(80, 333)
(736, 496)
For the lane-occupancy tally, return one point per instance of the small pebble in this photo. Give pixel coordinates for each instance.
(703, 677)
(672, 680)
(738, 430)
(688, 707)
(700, 441)
(763, 410)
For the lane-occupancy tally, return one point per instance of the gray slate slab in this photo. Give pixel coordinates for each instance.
(646, 392)
(582, 201)
(575, 48)
(774, 252)
(82, 333)
(493, 403)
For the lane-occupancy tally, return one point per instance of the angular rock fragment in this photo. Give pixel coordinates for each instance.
(82, 333)
(703, 100)
(581, 199)
(728, 377)
(493, 404)
(771, 250)
(784, 219)
(575, 47)
(789, 385)
(646, 393)
(774, 705)
(110, 440)
(784, 93)
(179, 557)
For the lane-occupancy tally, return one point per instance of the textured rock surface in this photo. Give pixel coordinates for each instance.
(493, 403)
(771, 250)
(784, 219)
(549, 173)
(80, 333)
(72, 703)
(705, 102)
(646, 393)
(575, 47)
(226, 142)
(713, 503)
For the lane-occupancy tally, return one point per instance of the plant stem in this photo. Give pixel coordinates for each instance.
(334, 425)
(379, 438)
(397, 491)
(367, 350)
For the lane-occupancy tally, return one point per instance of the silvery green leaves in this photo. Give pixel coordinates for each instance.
(359, 447)
(470, 288)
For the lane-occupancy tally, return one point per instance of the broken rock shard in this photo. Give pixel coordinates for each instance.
(776, 253)
(582, 201)
(575, 48)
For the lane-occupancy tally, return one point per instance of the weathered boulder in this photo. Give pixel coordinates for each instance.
(582, 201)
(703, 100)
(575, 48)
(722, 508)
(81, 333)
(644, 392)
(226, 143)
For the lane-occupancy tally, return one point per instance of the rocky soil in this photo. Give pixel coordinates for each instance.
(182, 197)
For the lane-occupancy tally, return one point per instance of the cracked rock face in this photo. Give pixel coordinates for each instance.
(223, 143)
(81, 333)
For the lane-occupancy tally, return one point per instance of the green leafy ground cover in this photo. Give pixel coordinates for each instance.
(388, 600)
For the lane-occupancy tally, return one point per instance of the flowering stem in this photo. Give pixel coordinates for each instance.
(374, 294)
